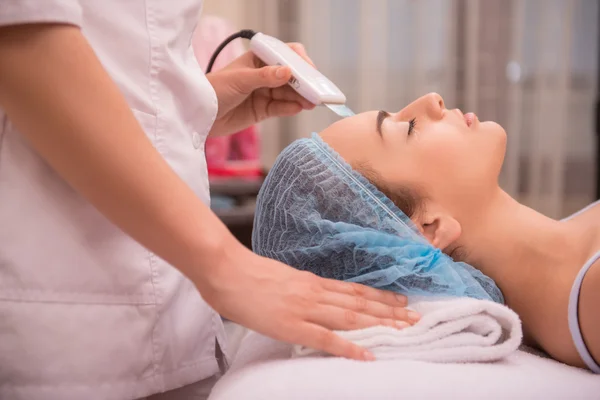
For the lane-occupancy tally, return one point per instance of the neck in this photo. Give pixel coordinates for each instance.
(520, 248)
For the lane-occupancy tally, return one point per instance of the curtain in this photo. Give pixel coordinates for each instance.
(530, 65)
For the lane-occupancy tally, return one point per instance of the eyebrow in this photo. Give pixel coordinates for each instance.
(381, 116)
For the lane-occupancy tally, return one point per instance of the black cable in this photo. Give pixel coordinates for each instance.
(244, 33)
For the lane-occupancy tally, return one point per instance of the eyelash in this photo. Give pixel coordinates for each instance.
(411, 126)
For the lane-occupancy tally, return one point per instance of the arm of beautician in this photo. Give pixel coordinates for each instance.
(95, 143)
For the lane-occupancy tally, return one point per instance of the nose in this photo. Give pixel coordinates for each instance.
(434, 105)
(430, 106)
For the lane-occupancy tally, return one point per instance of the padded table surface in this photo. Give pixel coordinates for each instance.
(262, 369)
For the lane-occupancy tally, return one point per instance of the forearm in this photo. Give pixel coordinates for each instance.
(74, 116)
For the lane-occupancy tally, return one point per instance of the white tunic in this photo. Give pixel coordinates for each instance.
(85, 311)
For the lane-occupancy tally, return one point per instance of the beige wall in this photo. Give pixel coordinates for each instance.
(233, 10)
(246, 14)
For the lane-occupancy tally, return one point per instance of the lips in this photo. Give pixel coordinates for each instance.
(470, 118)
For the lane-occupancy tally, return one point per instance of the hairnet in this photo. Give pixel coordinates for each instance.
(315, 213)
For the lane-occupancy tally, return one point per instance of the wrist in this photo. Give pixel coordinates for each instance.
(218, 128)
(213, 258)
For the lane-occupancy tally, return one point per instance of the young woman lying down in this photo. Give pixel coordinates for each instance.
(410, 202)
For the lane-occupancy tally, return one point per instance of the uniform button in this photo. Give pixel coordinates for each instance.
(196, 140)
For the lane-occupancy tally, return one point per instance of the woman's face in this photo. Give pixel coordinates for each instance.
(453, 159)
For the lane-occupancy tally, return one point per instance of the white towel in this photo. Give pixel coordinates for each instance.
(450, 330)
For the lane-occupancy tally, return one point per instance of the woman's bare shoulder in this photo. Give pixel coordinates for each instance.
(590, 211)
(589, 313)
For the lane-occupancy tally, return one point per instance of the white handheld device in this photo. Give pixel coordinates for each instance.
(306, 80)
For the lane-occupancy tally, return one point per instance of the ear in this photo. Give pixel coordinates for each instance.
(440, 228)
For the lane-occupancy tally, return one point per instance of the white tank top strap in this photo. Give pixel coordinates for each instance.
(582, 210)
(574, 327)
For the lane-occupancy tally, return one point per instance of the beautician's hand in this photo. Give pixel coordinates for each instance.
(297, 307)
(249, 92)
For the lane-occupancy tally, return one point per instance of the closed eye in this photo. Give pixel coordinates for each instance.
(382, 115)
(411, 126)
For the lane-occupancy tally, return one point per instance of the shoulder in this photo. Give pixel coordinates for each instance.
(589, 312)
(591, 210)
(585, 228)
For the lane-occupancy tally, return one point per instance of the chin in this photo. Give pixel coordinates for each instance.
(495, 132)
(495, 135)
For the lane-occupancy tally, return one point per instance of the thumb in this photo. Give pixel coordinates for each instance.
(269, 77)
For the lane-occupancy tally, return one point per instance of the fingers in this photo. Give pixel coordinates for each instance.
(345, 319)
(355, 289)
(319, 338)
(279, 90)
(287, 93)
(247, 80)
(272, 81)
(374, 309)
(301, 51)
(271, 76)
(283, 108)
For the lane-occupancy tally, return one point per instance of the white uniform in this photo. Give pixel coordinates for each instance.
(85, 311)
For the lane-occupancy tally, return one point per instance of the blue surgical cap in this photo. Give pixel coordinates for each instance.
(315, 213)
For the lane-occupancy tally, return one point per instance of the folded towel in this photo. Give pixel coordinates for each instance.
(450, 330)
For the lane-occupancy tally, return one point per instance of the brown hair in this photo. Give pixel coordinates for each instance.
(408, 200)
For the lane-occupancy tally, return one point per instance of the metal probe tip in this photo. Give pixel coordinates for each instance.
(340, 109)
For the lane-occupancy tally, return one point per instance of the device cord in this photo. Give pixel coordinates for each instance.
(244, 33)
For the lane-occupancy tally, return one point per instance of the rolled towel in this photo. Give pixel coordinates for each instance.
(450, 331)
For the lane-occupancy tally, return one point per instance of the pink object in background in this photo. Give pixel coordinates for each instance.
(237, 155)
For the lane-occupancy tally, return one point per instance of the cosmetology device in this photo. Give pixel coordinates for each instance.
(306, 80)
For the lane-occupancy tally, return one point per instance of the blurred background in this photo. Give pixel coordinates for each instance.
(530, 65)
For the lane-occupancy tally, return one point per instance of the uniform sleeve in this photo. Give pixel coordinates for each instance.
(15, 12)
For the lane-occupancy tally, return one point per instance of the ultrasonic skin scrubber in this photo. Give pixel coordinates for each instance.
(306, 80)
